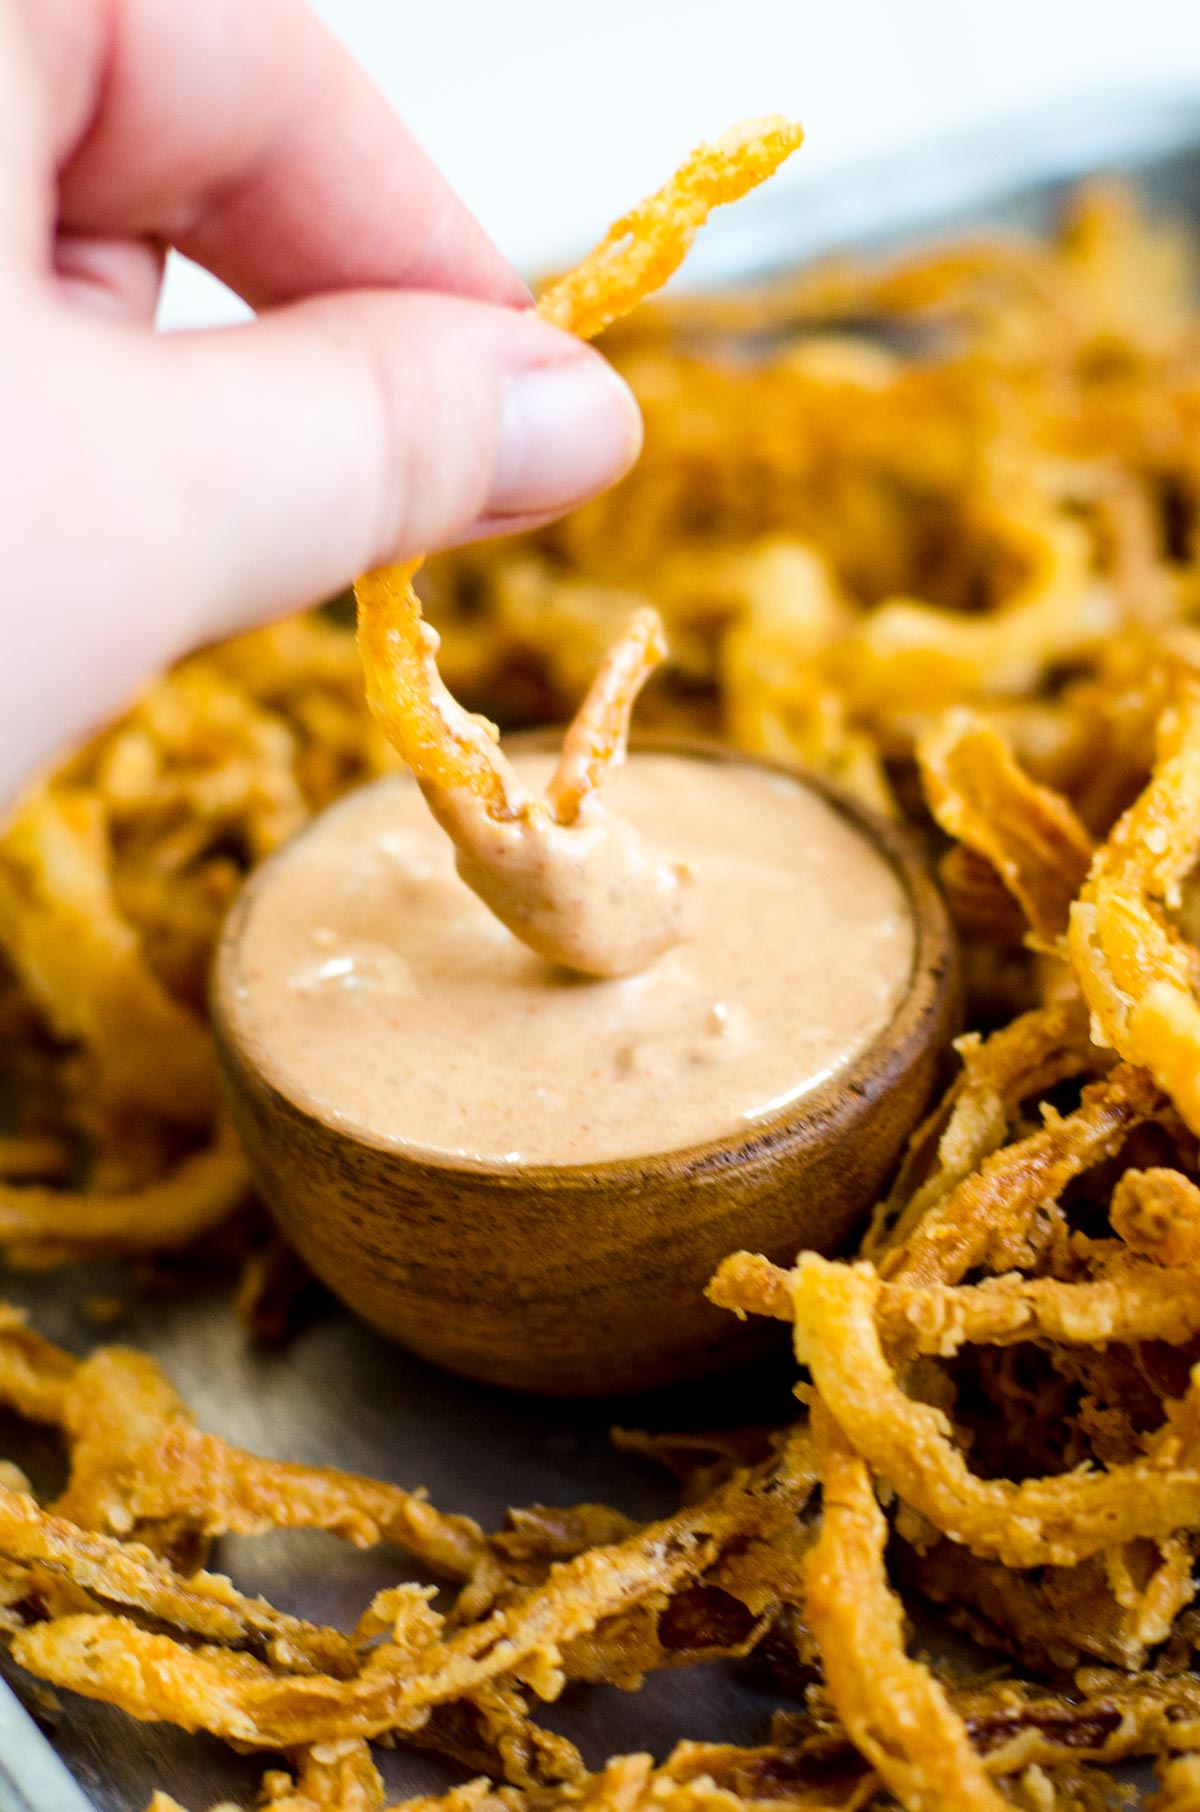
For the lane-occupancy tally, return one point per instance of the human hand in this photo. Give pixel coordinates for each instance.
(396, 394)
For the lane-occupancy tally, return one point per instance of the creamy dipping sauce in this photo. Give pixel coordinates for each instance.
(388, 997)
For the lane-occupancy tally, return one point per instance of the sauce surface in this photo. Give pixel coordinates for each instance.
(386, 995)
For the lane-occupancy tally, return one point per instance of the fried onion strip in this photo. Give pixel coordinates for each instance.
(226, 1490)
(335, 1777)
(231, 1695)
(204, 1605)
(595, 742)
(1026, 1057)
(1179, 1786)
(446, 747)
(1031, 836)
(138, 1459)
(81, 960)
(696, 1777)
(910, 655)
(587, 894)
(1106, 1718)
(1133, 967)
(1040, 1522)
(938, 1319)
(644, 247)
(894, 1710)
(964, 1227)
(1054, 1618)
(35, 1376)
(492, 1733)
(203, 1190)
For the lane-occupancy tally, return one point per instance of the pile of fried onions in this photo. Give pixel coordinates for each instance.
(930, 528)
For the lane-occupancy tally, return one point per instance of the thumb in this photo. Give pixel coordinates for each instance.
(162, 492)
(345, 431)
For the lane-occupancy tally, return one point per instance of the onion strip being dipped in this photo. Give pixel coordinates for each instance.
(550, 869)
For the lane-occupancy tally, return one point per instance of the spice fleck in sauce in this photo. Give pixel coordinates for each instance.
(387, 995)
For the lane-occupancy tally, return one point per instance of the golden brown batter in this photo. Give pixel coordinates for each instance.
(387, 993)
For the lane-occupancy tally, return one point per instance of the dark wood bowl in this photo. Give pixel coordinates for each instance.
(588, 1279)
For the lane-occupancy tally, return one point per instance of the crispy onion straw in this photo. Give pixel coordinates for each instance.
(1030, 835)
(895, 1712)
(543, 866)
(1033, 1053)
(137, 1459)
(647, 245)
(1040, 1522)
(153, 1676)
(979, 1220)
(1152, 1303)
(81, 961)
(205, 1605)
(42, 1225)
(1135, 969)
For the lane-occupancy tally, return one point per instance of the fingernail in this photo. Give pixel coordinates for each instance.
(567, 431)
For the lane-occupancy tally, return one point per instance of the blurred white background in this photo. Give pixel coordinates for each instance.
(551, 116)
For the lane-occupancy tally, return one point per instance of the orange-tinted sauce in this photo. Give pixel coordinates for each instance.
(386, 994)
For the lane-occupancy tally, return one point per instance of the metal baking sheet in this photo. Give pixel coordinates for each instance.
(338, 1394)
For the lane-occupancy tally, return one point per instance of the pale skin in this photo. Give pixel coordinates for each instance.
(396, 393)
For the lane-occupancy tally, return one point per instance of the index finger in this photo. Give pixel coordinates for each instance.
(250, 139)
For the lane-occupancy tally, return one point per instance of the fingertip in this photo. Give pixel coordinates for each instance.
(340, 434)
(567, 431)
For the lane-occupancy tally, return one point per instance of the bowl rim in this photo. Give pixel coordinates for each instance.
(934, 975)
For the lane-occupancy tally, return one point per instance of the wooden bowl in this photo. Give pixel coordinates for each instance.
(588, 1279)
